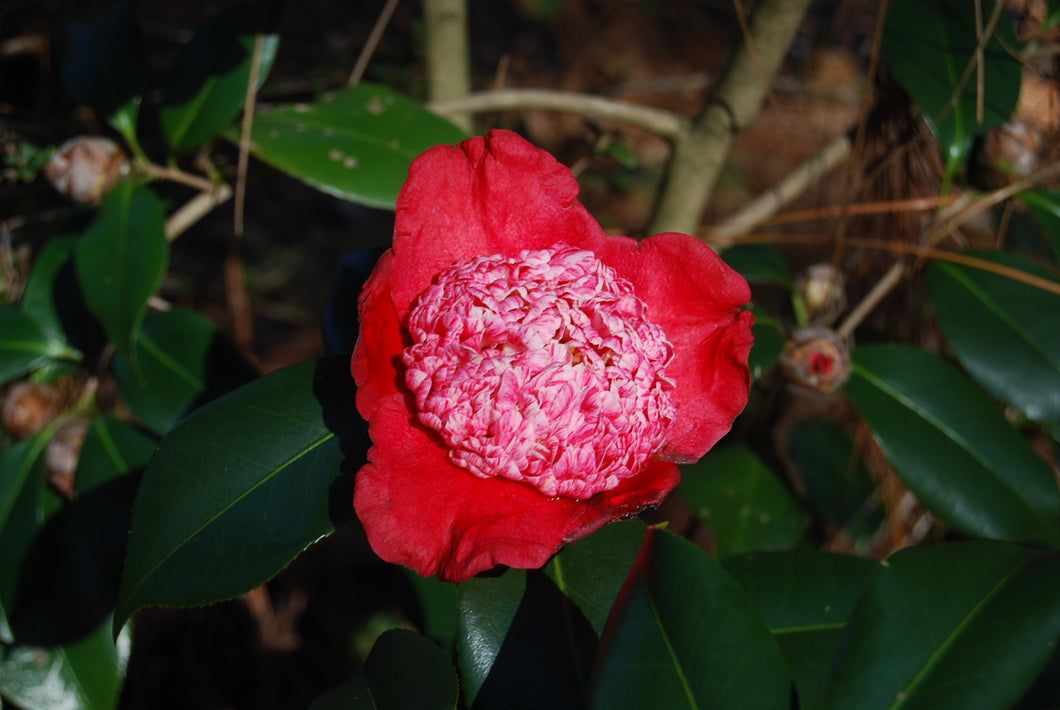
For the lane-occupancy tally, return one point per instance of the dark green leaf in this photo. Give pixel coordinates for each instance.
(401, 655)
(805, 598)
(242, 486)
(963, 626)
(684, 635)
(759, 264)
(1045, 204)
(355, 143)
(836, 484)
(39, 296)
(208, 81)
(1006, 333)
(769, 343)
(111, 448)
(103, 65)
(16, 462)
(439, 603)
(352, 694)
(952, 447)
(179, 360)
(121, 259)
(591, 571)
(930, 47)
(505, 623)
(85, 675)
(24, 346)
(742, 501)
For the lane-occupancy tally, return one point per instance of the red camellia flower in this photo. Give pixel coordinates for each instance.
(526, 378)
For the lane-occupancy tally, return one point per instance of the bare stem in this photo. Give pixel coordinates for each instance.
(700, 154)
(372, 42)
(658, 121)
(447, 54)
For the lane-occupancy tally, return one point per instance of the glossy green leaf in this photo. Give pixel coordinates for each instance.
(242, 486)
(112, 448)
(404, 670)
(1005, 332)
(769, 341)
(85, 675)
(951, 445)
(505, 621)
(759, 264)
(805, 598)
(24, 346)
(963, 626)
(121, 259)
(355, 143)
(207, 83)
(43, 286)
(179, 360)
(837, 486)
(742, 501)
(103, 65)
(439, 604)
(591, 571)
(929, 46)
(1045, 205)
(684, 635)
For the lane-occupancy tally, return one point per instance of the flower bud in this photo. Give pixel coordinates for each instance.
(85, 168)
(1013, 150)
(817, 359)
(63, 454)
(823, 293)
(28, 408)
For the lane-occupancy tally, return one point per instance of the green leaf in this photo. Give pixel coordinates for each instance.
(963, 626)
(805, 598)
(742, 501)
(505, 622)
(85, 675)
(403, 671)
(44, 285)
(438, 602)
(929, 46)
(103, 66)
(24, 346)
(591, 571)
(121, 260)
(207, 83)
(179, 360)
(1045, 205)
(242, 486)
(356, 143)
(112, 448)
(684, 635)
(1005, 332)
(759, 264)
(952, 447)
(769, 341)
(16, 463)
(836, 484)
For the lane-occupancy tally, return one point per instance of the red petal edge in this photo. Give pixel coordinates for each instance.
(421, 511)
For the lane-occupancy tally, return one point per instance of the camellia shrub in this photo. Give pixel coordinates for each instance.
(588, 471)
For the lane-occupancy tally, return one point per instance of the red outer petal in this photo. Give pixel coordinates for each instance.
(492, 195)
(421, 511)
(376, 364)
(695, 297)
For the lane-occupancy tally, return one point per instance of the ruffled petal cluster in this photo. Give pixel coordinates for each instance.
(526, 378)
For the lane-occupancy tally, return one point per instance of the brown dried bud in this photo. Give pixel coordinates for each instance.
(28, 408)
(63, 453)
(817, 359)
(86, 168)
(823, 292)
(1013, 150)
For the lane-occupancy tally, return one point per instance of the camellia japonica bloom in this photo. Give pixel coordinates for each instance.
(526, 378)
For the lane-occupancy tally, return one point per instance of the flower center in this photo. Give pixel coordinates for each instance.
(541, 368)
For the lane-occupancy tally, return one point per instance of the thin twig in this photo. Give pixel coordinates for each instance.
(195, 208)
(176, 175)
(658, 121)
(372, 42)
(765, 205)
(244, 133)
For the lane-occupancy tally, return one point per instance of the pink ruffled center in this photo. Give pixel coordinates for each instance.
(542, 368)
